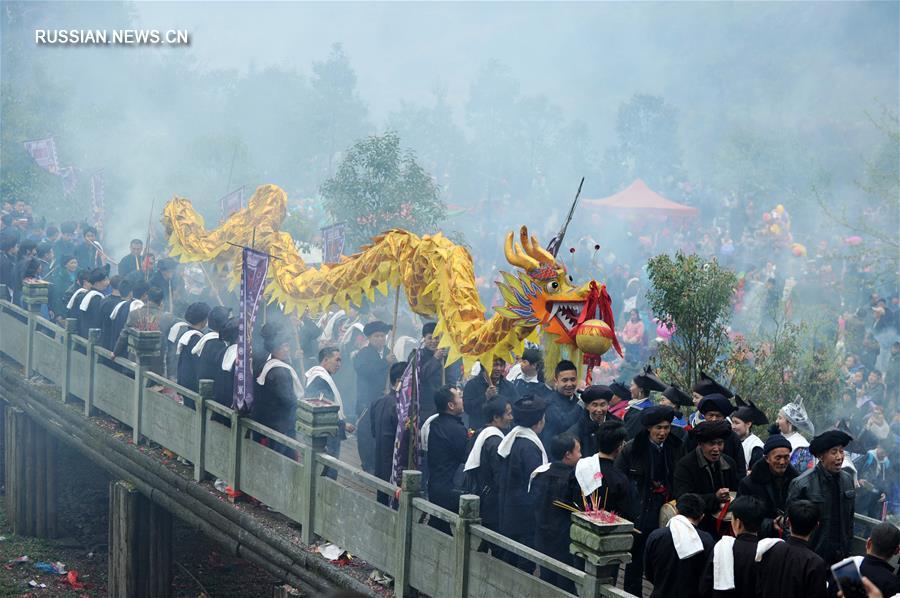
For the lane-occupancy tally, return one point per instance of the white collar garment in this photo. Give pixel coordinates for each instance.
(723, 564)
(86, 300)
(318, 371)
(537, 470)
(273, 363)
(474, 459)
(74, 298)
(185, 339)
(749, 443)
(229, 358)
(116, 308)
(198, 348)
(763, 546)
(175, 330)
(136, 304)
(426, 428)
(520, 432)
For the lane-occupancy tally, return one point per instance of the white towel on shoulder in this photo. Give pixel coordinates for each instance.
(474, 459)
(723, 564)
(520, 432)
(185, 339)
(685, 537)
(175, 329)
(425, 429)
(198, 348)
(537, 470)
(763, 546)
(229, 358)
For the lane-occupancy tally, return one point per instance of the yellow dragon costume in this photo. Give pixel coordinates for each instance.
(438, 277)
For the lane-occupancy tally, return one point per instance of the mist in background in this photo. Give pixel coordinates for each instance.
(507, 105)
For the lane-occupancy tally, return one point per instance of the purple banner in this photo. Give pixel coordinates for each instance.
(44, 153)
(407, 421)
(332, 243)
(253, 280)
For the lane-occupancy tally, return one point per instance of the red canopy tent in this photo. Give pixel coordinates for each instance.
(638, 198)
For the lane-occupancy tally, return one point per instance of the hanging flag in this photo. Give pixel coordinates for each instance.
(69, 176)
(43, 151)
(232, 202)
(97, 198)
(333, 243)
(407, 421)
(254, 268)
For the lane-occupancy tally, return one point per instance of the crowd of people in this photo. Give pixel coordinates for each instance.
(718, 509)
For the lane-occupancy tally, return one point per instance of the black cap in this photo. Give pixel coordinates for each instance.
(376, 326)
(656, 414)
(596, 392)
(707, 386)
(528, 411)
(96, 275)
(748, 412)
(620, 390)
(715, 402)
(648, 381)
(707, 431)
(678, 396)
(828, 440)
(218, 316)
(775, 441)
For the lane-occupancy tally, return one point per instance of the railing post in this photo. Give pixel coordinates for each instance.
(469, 514)
(206, 394)
(316, 420)
(35, 295)
(69, 328)
(235, 464)
(93, 339)
(410, 488)
(144, 344)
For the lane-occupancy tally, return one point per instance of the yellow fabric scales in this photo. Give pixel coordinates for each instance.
(438, 276)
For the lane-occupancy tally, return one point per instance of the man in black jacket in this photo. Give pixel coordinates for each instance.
(596, 411)
(484, 387)
(484, 463)
(674, 572)
(715, 408)
(530, 380)
(769, 481)
(649, 462)
(883, 544)
(563, 408)
(832, 489)
(106, 306)
(552, 523)
(790, 569)
(641, 387)
(372, 364)
(89, 315)
(446, 452)
(383, 427)
(132, 262)
(197, 315)
(741, 570)
(433, 370)
(708, 471)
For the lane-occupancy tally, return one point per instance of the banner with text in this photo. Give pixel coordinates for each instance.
(332, 243)
(253, 280)
(43, 151)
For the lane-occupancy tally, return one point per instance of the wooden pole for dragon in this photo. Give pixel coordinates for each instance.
(387, 383)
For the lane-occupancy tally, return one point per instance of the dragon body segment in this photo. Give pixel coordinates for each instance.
(437, 275)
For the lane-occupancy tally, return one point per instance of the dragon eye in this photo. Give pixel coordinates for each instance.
(553, 286)
(571, 279)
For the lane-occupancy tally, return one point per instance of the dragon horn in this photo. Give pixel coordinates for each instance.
(534, 250)
(516, 257)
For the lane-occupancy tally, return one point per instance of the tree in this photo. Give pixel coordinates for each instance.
(695, 297)
(648, 146)
(378, 186)
(339, 115)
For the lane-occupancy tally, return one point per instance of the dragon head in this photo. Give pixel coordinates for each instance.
(542, 293)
